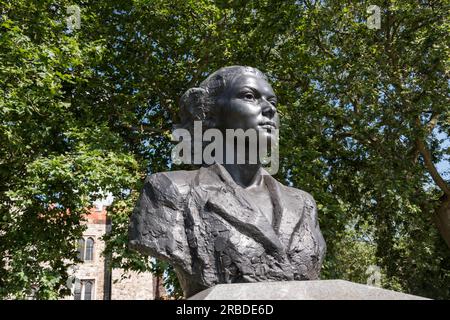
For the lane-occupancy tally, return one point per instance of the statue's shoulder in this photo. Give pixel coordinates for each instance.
(299, 194)
(177, 182)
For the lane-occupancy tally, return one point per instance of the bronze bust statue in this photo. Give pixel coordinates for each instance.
(229, 222)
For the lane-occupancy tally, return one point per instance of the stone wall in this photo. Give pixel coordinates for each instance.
(132, 286)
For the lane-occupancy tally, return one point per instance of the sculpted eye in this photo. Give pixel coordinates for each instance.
(249, 96)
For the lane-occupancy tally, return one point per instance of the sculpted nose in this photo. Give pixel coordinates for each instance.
(268, 109)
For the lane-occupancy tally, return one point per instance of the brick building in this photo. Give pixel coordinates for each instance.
(93, 280)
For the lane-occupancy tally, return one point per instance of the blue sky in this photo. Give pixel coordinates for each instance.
(443, 167)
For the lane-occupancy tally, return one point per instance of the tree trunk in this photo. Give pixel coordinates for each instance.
(158, 288)
(442, 218)
(442, 213)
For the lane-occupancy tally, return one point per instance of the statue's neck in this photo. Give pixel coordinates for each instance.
(245, 175)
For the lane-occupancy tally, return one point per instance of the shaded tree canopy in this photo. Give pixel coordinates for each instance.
(365, 120)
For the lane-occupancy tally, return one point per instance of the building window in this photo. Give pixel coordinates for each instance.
(81, 249)
(88, 287)
(84, 290)
(86, 249)
(89, 249)
(77, 291)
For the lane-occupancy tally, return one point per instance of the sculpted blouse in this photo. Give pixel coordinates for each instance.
(212, 232)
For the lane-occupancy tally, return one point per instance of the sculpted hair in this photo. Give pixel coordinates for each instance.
(200, 103)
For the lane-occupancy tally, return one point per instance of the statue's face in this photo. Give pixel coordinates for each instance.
(249, 103)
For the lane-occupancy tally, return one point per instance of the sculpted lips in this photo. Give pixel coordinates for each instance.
(267, 125)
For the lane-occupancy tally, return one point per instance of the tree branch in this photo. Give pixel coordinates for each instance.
(432, 168)
(432, 123)
(143, 128)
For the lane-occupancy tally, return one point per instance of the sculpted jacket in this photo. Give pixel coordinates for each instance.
(212, 232)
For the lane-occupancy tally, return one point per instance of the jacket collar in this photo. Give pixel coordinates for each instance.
(231, 202)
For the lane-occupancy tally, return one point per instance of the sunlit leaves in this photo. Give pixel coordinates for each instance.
(91, 109)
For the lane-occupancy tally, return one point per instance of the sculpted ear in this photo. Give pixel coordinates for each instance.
(194, 106)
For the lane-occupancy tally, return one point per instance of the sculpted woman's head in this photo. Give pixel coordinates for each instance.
(240, 105)
(233, 97)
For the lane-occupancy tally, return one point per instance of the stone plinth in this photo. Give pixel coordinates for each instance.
(300, 290)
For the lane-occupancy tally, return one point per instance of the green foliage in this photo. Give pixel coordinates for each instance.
(91, 109)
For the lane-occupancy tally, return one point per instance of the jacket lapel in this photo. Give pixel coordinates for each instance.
(229, 200)
(287, 210)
